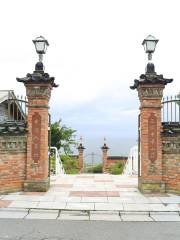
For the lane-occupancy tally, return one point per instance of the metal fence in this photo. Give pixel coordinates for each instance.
(17, 107)
(171, 110)
(56, 166)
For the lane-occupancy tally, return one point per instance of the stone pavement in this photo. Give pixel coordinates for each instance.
(91, 197)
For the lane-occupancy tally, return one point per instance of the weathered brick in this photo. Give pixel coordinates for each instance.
(37, 151)
(171, 163)
(150, 179)
(12, 164)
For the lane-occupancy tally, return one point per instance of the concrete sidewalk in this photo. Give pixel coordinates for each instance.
(92, 197)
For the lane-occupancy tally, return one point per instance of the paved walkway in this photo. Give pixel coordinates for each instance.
(92, 197)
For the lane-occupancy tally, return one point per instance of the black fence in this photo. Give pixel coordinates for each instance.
(171, 110)
(16, 107)
(13, 113)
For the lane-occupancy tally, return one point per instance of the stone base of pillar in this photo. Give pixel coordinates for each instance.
(151, 186)
(105, 170)
(172, 190)
(81, 170)
(37, 185)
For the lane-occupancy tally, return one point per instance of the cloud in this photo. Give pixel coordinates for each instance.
(101, 117)
(95, 53)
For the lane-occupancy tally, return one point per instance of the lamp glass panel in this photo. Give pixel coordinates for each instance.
(40, 47)
(150, 46)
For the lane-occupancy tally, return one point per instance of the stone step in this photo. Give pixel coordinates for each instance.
(89, 215)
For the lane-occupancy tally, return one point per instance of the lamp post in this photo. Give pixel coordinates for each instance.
(39, 85)
(149, 44)
(150, 86)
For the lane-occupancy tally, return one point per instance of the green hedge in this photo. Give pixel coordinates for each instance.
(70, 164)
(96, 169)
(116, 169)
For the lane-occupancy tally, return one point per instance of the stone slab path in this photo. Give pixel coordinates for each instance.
(91, 197)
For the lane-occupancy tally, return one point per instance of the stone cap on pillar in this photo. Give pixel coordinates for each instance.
(150, 77)
(38, 76)
(81, 147)
(104, 147)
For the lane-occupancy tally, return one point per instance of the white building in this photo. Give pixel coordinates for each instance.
(131, 167)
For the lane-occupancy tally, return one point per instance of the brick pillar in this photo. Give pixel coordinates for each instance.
(81, 158)
(150, 91)
(104, 157)
(38, 89)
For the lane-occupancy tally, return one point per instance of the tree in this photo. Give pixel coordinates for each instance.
(62, 137)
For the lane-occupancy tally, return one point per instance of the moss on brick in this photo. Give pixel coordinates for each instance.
(37, 185)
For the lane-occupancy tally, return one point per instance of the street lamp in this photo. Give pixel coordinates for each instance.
(149, 44)
(41, 45)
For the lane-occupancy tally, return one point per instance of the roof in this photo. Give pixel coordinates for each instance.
(117, 158)
(5, 95)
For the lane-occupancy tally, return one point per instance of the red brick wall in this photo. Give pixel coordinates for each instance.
(12, 163)
(171, 163)
(24, 161)
(113, 162)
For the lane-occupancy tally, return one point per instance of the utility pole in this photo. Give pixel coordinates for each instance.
(92, 160)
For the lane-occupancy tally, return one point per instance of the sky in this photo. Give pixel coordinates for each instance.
(95, 54)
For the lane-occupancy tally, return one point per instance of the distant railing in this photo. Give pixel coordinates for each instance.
(56, 166)
(171, 110)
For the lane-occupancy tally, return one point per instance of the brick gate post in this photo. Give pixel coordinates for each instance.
(81, 158)
(105, 157)
(38, 90)
(150, 91)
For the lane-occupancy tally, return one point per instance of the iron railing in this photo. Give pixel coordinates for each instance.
(12, 107)
(56, 166)
(13, 113)
(171, 110)
(17, 107)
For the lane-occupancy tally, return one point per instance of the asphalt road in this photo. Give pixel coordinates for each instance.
(85, 230)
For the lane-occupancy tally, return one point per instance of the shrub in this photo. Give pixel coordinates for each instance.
(70, 164)
(116, 168)
(52, 164)
(95, 169)
(72, 171)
